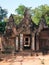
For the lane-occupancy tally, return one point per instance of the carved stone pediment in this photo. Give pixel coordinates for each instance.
(26, 24)
(42, 24)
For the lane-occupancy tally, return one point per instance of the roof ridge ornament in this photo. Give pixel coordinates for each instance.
(27, 13)
(11, 19)
(42, 22)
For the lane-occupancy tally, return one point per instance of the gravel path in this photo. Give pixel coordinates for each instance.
(26, 60)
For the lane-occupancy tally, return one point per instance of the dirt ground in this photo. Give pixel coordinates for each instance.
(25, 60)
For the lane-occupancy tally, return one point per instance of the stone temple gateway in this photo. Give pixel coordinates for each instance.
(25, 36)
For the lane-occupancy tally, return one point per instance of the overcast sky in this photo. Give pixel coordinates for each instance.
(11, 5)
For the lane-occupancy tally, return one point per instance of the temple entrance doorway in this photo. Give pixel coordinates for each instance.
(27, 42)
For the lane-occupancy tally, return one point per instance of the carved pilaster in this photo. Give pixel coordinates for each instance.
(21, 42)
(17, 44)
(33, 41)
(1, 41)
(37, 43)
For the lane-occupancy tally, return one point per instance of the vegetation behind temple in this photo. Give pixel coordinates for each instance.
(2, 27)
(35, 15)
(3, 14)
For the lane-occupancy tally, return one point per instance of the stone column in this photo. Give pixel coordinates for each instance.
(37, 43)
(1, 41)
(33, 42)
(21, 42)
(17, 44)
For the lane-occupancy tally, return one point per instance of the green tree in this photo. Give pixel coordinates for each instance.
(39, 11)
(36, 13)
(21, 9)
(5, 19)
(3, 13)
(20, 13)
(17, 19)
(2, 27)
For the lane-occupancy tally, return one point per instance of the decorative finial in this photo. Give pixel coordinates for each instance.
(11, 19)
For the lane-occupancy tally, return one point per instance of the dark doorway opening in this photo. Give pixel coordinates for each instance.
(27, 42)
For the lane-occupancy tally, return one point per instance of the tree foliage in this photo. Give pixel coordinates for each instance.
(17, 19)
(39, 11)
(5, 19)
(20, 13)
(2, 27)
(3, 13)
(20, 10)
(36, 13)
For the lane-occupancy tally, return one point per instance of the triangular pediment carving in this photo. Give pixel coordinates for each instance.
(42, 24)
(26, 23)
